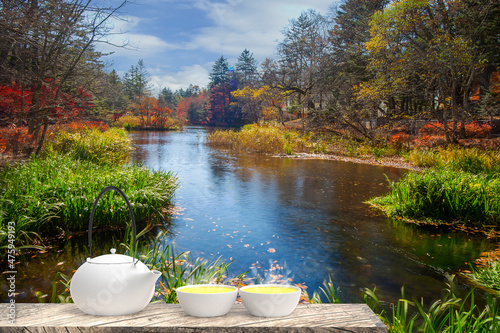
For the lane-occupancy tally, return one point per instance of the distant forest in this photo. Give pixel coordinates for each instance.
(364, 65)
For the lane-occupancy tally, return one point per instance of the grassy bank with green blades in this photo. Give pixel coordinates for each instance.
(444, 196)
(55, 193)
(459, 188)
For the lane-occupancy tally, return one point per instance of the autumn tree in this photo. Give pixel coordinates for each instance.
(46, 46)
(193, 108)
(347, 63)
(218, 104)
(219, 108)
(254, 101)
(151, 112)
(427, 52)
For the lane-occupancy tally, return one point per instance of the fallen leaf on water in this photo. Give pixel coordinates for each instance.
(271, 250)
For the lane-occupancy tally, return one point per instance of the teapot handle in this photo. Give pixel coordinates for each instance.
(106, 189)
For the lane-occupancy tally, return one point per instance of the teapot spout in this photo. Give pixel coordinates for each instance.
(145, 278)
(153, 276)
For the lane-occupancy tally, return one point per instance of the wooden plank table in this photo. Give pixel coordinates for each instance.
(160, 317)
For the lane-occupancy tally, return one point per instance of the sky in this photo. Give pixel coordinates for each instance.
(180, 40)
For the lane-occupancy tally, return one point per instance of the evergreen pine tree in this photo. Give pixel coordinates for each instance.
(220, 72)
(136, 81)
(247, 69)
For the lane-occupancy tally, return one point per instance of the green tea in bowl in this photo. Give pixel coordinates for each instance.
(206, 300)
(270, 300)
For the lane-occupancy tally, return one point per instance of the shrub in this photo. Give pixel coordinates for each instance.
(472, 129)
(15, 140)
(131, 121)
(399, 141)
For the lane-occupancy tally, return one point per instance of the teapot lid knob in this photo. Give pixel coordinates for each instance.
(113, 251)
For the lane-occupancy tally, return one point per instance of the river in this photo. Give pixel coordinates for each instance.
(305, 219)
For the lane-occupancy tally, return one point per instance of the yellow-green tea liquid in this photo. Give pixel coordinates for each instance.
(270, 290)
(206, 290)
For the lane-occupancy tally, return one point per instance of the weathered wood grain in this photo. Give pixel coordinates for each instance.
(56, 318)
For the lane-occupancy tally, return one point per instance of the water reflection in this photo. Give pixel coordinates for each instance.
(309, 215)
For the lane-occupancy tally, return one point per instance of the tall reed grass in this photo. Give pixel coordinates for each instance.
(471, 160)
(265, 139)
(47, 195)
(444, 195)
(102, 147)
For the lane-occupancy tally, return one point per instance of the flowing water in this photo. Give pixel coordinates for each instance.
(304, 219)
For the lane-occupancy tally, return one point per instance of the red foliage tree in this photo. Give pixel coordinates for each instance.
(17, 102)
(218, 104)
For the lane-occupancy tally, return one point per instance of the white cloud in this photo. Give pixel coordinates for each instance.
(132, 44)
(183, 53)
(255, 25)
(195, 75)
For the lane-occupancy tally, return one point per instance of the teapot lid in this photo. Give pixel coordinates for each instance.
(112, 258)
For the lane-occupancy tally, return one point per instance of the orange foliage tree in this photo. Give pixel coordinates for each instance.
(152, 114)
(192, 108)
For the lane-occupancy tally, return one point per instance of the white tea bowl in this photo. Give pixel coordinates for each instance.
(270, 300)
(206, 300)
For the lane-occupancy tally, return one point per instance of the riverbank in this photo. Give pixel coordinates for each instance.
(455, 188)
(395, 162)
(51, 195)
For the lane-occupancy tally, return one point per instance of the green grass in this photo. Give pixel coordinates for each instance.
(444, 196)
(329, 292)
(487, 276)
(452, 313)
(55, 193)
(47, 195)
(182, 269)
(470, 160)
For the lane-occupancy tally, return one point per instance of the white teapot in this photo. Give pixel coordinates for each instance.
(113, 284)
